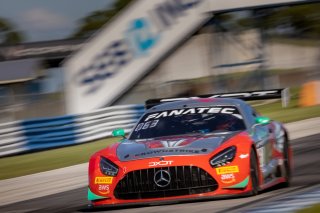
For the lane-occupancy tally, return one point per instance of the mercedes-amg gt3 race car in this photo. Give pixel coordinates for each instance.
(190, 149)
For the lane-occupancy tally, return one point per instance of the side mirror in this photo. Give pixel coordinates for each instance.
(118, 132)
(262, 120)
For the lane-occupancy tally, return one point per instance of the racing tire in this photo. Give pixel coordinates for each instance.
(254, 173)
(287, 164)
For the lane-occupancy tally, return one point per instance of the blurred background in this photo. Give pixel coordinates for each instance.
(72, 71)
(239, 50)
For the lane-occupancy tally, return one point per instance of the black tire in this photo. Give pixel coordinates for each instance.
(254, 173)
(287, 164)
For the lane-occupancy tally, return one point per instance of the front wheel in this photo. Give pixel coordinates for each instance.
(287, 164)
(254, 173)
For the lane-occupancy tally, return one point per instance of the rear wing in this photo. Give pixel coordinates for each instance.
(282, 94)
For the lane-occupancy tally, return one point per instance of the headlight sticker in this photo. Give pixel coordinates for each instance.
(103, 180)
(108, 168)
(227, 170)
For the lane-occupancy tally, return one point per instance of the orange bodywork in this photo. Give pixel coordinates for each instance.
(228, 177)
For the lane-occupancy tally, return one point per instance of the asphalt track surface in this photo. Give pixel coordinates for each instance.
(306, 175)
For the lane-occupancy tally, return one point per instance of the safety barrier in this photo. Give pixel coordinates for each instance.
(44, 133)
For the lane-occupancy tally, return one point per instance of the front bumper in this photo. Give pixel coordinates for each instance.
(197, 185)
(165, 201)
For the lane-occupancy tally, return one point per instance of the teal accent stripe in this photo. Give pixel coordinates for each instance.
(93, 196)
(240, 185)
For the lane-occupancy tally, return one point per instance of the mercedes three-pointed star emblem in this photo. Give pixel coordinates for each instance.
(162, 178)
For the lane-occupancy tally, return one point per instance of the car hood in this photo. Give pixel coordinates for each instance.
(168, 146)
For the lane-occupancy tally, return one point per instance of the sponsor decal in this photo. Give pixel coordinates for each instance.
(168, 151)
(227, 170)
(160, 163)
(104, 189)
(228, 178)
(103, 180)
(261, 155)
(199, 110)
(243, 156)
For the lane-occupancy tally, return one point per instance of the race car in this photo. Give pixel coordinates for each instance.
(193, 148)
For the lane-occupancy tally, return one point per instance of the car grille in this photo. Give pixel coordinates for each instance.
(185, 180)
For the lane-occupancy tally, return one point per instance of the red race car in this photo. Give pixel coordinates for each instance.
(193, 148)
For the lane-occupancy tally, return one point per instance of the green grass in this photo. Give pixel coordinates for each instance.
(291, 113)
(312, 209)
(51, 159)
(57, 158)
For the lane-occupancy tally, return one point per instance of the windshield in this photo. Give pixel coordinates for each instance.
(187, 121)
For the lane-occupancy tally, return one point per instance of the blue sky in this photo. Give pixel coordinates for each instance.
(41, 20)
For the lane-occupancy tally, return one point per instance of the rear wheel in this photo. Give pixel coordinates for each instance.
(254, 173)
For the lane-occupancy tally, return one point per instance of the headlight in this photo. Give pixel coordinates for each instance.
(224, 157)
(108, 168)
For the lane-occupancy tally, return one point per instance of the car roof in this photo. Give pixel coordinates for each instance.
(199, 102)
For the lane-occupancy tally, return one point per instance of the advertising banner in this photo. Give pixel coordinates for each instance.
(126, 49)
(132, 44)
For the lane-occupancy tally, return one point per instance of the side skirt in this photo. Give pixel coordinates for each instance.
(271, 183)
